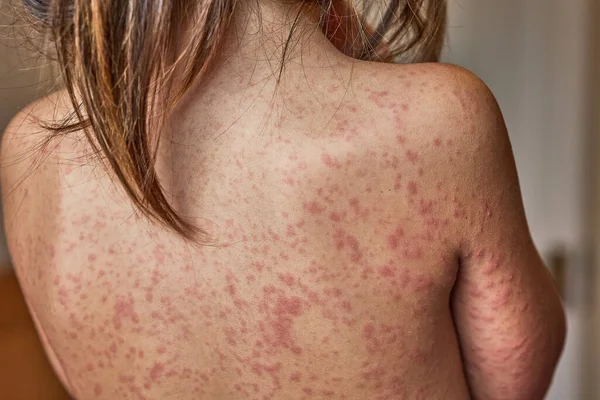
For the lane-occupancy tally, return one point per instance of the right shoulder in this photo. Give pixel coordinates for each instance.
(429, 100)
(446, 124)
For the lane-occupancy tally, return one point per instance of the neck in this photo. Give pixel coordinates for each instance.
(273, 53)
(268, 35)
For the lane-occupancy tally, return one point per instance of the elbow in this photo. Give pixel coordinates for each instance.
(523, 367)
(533, 377)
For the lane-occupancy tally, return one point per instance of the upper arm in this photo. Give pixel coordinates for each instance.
(507, 312)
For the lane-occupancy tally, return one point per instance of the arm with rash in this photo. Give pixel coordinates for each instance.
(507, 312)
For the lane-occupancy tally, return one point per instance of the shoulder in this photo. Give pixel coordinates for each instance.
(445, 123)
(28, 157)
(447, 92)
(442, 109)
(28, 120)
(25, 135)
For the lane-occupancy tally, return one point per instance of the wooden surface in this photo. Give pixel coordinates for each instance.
(25, 373)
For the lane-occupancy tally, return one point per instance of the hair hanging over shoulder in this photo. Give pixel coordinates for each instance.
(100, 45)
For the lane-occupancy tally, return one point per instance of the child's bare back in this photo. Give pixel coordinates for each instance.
(372, 247)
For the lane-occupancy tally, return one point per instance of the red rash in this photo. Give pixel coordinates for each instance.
(314, 208)
(394, 238)
(412, 156)
(156, 372)
(329, 161)
(295, 377)
(381, 99)
(124, 309)
(412, 188)
(342, 239)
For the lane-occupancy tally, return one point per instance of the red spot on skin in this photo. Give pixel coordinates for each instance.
(412, 156)
(405, 107)
(386, 271)
(281, 311)
(329, 161)
(346, 306)
(398, 182)
(412, 188)
(231, 280)
(413, 253)
(288, 306)
(401, 139)
(425, 207)
(336, 217)
(99, 225)
(287, 278)
(291, 231)
(161, 349)
(91, 257)
(124, 309)
(341, 239)
(307, 390)
(156, 371)
(314, 208)
(295, 377)
(394, 238)
(437, 142)
(381, 99)
(328, 393)
(97, 390)
(257, 266)
(476, 292)
(368, 331)
(422, 283)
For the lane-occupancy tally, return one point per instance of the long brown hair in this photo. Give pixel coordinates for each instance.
(101, 44)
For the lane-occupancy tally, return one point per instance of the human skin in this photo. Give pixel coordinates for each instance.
(368, 240)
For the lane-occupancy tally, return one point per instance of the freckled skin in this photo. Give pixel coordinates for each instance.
(314, 286)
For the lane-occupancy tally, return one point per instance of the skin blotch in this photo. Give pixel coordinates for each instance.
(381, 99)
(314, 208)
(295, 377)
(280, 312)
(330, 161)
(97, 390)
(394, 238)
(346, 242)
(124, 311)
(412, 188)
(412, 156)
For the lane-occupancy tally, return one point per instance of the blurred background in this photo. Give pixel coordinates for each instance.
(541, 58)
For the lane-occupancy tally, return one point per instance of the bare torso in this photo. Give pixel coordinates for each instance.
(336, 253)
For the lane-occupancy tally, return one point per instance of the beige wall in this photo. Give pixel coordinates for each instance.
(592, 377)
